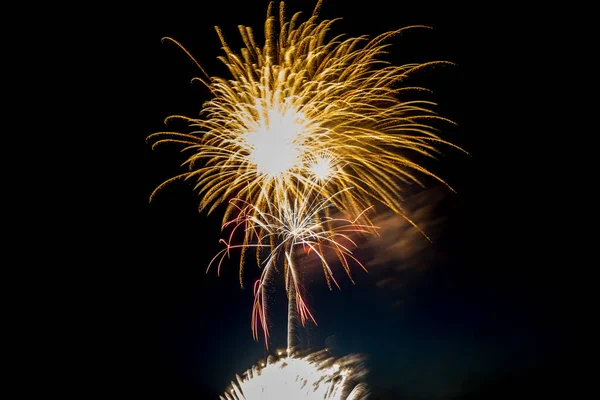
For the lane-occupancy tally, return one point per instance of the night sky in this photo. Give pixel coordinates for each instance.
(475, 314)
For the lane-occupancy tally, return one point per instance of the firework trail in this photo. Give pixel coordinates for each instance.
(281, 229)
(314, 376)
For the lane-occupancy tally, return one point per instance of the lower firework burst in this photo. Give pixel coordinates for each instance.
(313, 376)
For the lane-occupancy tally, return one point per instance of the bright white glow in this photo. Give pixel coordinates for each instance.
(275, 142)
(321, 166)
(315, 376)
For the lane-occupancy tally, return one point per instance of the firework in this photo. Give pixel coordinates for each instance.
(285, 226)
(303, 109)
(314, 376)
(299, 121)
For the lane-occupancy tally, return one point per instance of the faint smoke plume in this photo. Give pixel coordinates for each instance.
(402, 245)
(399, 255)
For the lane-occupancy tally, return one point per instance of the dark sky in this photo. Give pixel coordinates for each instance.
(473, 313)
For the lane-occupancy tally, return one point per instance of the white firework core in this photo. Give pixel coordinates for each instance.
(274, 143)
(314, 376)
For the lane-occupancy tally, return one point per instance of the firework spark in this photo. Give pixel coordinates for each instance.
(304, 109)
(285, 226)
(304, 114)
(314, 376)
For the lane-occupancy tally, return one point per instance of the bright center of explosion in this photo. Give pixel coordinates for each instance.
(322, 166)
(292, 378)
(275, 142)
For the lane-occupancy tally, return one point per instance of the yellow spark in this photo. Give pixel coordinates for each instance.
(300, 95)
